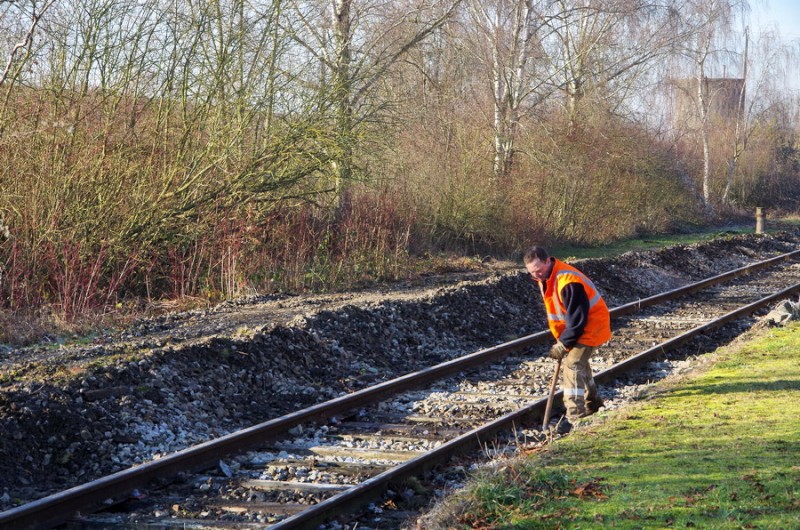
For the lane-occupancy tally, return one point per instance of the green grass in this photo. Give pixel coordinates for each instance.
(666, 240)
(717, 450)
(649, 243)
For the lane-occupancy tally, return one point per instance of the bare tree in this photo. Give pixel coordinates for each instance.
(19, 22)
(741, 129)
(755, 105)
(355, 49)
(599, 48)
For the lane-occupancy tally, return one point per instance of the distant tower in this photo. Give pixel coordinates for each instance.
(725, 100)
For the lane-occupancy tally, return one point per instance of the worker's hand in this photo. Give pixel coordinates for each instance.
(558, 351)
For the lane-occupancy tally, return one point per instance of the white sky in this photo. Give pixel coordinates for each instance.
(783, 15)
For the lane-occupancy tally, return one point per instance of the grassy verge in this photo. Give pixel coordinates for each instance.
(666, 240)
(717, 449)
(640, 244)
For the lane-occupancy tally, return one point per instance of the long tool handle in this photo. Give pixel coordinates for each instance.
(549, 406)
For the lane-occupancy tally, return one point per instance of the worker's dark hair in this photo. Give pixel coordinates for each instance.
(534, 253)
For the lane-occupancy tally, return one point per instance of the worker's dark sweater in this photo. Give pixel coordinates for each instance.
(577, 304)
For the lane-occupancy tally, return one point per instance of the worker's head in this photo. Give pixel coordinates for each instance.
(538, 263)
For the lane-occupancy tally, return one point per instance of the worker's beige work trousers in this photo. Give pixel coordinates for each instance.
(577, 381)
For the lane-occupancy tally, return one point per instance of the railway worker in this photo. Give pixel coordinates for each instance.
(579, 320)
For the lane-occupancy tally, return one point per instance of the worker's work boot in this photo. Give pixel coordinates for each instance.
(594, 404)
(561, 426)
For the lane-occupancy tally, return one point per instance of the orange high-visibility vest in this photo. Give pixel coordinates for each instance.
(598, 325)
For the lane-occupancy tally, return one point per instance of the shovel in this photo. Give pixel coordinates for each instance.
(549, 406)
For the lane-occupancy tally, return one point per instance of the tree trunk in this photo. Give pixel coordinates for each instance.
(342, 86)
(739, 143)
(702, 108)
(509, 82)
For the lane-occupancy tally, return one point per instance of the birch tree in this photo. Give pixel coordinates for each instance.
(710, 23)
(600, 48)
(508, 43)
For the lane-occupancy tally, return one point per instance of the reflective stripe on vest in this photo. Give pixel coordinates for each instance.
(557, 303)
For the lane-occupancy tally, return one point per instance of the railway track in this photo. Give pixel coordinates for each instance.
(310, 466)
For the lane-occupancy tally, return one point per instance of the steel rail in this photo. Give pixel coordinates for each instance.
(697, 286)
(57, 508)
(371, 488)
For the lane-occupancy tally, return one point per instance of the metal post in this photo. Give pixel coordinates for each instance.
(759, 220)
